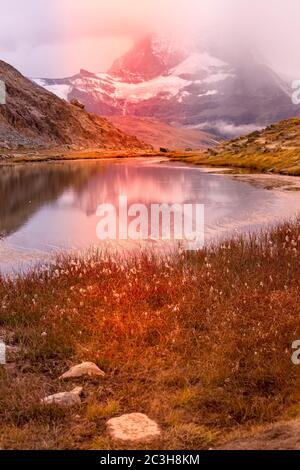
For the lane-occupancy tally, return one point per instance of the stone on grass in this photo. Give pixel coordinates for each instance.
(64, 398)
(86, 369)
(134, 427)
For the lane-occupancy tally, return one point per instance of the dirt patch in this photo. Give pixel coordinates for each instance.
(281, 436)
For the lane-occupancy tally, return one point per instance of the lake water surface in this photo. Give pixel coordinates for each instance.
(49, 207)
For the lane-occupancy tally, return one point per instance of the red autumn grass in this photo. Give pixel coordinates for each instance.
(201, 342)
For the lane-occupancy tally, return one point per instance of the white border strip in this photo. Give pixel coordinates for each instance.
(2, 92)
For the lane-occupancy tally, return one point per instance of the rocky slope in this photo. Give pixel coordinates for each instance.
(197, 86)
(159, 134)
(33, 116)
(23, 183)
(280, 139)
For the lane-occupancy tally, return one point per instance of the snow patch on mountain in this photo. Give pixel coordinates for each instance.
(227, 128)
(160, 79)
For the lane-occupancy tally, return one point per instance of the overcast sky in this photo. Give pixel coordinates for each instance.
(55, 38)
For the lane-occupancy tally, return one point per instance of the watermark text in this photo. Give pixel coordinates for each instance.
(2, 92)
(296, 354)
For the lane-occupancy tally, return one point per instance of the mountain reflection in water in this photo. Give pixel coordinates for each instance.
(47, 207)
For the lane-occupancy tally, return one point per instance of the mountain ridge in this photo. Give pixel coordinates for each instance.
(160, 134)
(34, 117)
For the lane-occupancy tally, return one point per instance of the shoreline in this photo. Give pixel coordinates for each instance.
(168, 348)
(13, 157)
(256, 163)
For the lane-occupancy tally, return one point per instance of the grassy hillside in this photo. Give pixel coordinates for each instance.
(274, 149)
(33, 118)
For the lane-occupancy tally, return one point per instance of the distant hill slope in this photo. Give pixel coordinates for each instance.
(33, 116)
(160, 134)
(279, 137)
(273, 149)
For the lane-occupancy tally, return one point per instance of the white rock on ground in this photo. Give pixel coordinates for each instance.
(134, 427)
(12, 353)
(88, 369)
(64, 398)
